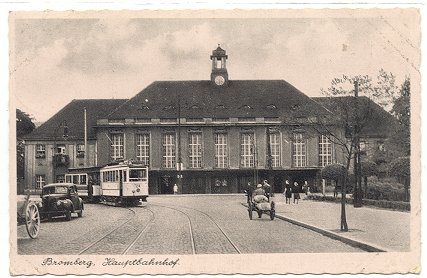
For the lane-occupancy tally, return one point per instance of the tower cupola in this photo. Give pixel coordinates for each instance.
(219, 74)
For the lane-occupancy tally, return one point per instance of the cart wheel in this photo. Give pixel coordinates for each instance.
(32, 220)
(250, 210)
(272, 211)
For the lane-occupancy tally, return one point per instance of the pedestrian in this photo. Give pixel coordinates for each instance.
(175, 189)
(267, 188)
(296, 191)
(287, 192)
(307, 188)
(249, 190)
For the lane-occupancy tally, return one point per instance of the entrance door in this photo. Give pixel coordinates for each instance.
(166, 185)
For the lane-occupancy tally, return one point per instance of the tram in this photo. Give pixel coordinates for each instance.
(125, 183)
(88, 183)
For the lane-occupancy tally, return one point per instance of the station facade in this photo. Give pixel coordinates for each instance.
(208, 136)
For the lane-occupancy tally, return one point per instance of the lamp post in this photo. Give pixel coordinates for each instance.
(179, 165)
(64, 125)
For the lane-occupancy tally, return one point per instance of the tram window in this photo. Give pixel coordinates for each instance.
(137, 174)
(82, 179)
(125, 176)
(67, 178)
(76, 179)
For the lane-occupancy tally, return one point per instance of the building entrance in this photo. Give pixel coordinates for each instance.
(166, 185)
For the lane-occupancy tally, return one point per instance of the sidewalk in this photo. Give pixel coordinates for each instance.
(381, 229)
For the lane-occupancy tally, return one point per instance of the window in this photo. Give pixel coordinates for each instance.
(325, 151)
(40, 151)
(364, 147)
(117, 146)
(60, 149)
(299, 151)
(169, 150)
(40, 181)
(221, 152)
(143, 148)
(195, 148)
(80, 150)
(60, 178)
(275, 149)
(247, 150)
(137, 174)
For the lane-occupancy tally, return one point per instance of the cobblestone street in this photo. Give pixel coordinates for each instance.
(182, 224)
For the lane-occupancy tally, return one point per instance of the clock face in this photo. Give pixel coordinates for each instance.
(219, 80)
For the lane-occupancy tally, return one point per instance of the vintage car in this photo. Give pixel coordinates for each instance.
(61, 199)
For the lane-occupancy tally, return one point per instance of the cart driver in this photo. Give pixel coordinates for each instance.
(259, 194)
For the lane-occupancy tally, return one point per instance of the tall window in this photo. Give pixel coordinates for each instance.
(80, 150)
(221, 152)
(40, 181)
(169, 150)
(117, 146)
(143, 148)
(299, 151)
(275, 149)
(325, 151)
(195, 148)
(40, 151)
(247, 150)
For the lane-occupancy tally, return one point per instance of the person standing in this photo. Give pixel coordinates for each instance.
(175, 189)
(306, 188)
(267, 188)
(296, 191)
(249, 190)
(287, 192)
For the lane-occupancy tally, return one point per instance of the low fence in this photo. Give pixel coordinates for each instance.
(395, 205)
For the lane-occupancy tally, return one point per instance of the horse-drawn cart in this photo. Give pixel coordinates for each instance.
(261, 204)
(28, 213)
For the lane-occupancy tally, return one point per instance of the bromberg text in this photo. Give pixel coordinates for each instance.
(76, 262)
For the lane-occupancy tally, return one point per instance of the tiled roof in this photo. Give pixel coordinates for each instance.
(202, 99)
(73, 114)
(381, 123)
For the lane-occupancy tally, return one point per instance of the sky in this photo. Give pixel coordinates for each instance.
(57, 59)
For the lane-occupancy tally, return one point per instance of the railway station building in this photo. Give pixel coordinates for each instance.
(216, 135)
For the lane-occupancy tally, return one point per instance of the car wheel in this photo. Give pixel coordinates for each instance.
(68, 215)
(80, 213)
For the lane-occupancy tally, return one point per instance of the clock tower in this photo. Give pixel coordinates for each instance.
(219, 75)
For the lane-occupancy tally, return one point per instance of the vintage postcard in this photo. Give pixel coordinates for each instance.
(215, 141)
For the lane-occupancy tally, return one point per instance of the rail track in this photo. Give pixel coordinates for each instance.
(194, 246)
(127, 222)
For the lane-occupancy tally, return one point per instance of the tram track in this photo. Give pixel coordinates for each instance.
(94, 244)
(191, 229)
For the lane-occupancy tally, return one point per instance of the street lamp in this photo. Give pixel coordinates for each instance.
(63, 125)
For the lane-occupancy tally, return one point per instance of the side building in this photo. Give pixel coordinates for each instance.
(59, 143)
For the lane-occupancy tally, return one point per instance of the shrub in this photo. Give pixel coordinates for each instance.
(369, 168)
(400, 167)
(386, 191)
(333, 172)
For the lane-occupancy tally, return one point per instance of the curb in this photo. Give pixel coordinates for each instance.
(352, 242)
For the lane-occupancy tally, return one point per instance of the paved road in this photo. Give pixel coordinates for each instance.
(175, 225)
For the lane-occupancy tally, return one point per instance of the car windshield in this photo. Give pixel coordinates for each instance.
(55, 190)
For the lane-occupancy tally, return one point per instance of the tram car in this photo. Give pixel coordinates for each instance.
(88, 183)
(124, 184)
